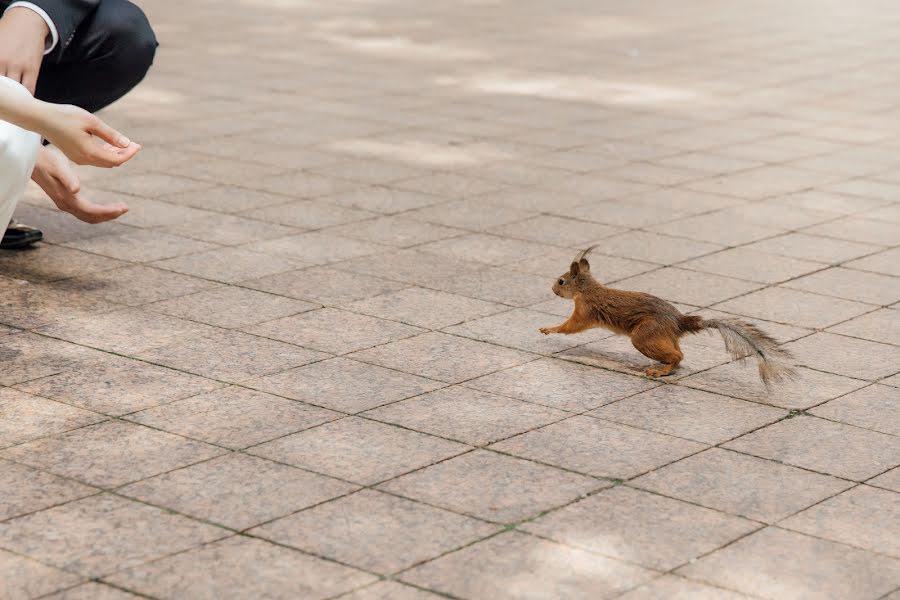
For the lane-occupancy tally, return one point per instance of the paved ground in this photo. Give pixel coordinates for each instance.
(306, 364)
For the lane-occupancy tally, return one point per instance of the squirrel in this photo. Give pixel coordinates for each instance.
(655, 326)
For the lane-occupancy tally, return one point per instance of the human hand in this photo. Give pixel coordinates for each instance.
(53, 173)
(84, 137)
(23, 34)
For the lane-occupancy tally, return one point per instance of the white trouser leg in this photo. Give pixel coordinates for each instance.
(18, 149)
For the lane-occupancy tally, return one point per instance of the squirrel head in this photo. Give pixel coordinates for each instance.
(577, 278)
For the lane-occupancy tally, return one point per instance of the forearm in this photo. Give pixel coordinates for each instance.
(19, 108)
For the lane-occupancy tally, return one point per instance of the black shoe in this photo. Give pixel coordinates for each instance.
(18, 236)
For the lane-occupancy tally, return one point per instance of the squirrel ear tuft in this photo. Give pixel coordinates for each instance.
(573, 270)
(585, 265)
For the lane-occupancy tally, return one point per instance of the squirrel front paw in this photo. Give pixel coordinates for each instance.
(546, 330)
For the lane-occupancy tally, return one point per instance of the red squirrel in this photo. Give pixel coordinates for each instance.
(655, 326)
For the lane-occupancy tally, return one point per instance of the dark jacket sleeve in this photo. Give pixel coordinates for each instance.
(66, 15)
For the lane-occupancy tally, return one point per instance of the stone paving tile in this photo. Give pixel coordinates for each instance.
(520, 329)
(483, 248)
(884, 262)
(741, 485)
(317, 248)
(27, 417)
(864, 517)
(92, 591)
(411, 266)
(226, 230)
(236, 490)
(689, 287)
(395, 231)
(811, 247)
(335, 331)
(640, 527)
(604, 267)
(110, 454)
(515, 566)
(877, 326)
(229, 265)
(850, 284)
(741, 380)
(25, 356)
(134, 286)
(384, 200)
(876, 407)
(561, 384)
(22, 577)
(691, 414)
(102, 534)
(598, 448)
(774, 563)
(742, 263)
(671, 587)
(545, 229)
(26, 490)
(472, 214)
(52, 263)
(795, 307)
(118, 388)
(391, 590)
(140, 246)
(424, 308)
(466, 415)
(500, 285)
(150, 185)
(125, 331)
(396, 533)
(846, 356)
(449, 185)
(653, 247)
(717, 228)
(231, 307)
(762, 182)
(443, 357)
(311, 214)
(492, 486)
(777, 215)
(233, 417)
(324, 285)
(224, 199)
(302, 184)
(231, 568)
(28, 306)
(889, 480)
(857, 230)
(345, 385)
(231, 356)
(822, 446)
(359, 450)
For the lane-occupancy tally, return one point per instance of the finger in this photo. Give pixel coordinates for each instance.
(107, 155)
(14, 73)
(108, 134)
(91, 212)
(29, 80)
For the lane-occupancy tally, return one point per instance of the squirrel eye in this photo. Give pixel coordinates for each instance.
(561, 281)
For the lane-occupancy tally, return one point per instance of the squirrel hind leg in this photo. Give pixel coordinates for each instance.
(659, 347)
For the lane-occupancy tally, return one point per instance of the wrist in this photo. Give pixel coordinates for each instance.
(22, 18)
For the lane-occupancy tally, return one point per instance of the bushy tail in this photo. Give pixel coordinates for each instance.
(743, 340)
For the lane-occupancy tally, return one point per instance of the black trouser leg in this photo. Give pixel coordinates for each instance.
(110, 53)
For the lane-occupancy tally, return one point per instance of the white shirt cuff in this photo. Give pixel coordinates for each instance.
(53, 38)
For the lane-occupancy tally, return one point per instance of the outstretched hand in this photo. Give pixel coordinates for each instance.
(53, 173)
(85, 138)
